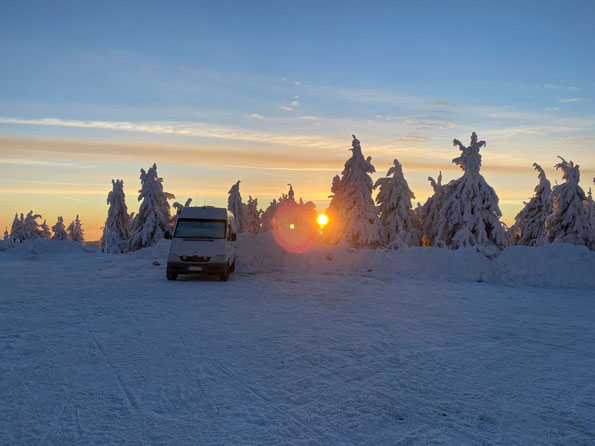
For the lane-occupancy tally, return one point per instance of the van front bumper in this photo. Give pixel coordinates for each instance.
(196, 268)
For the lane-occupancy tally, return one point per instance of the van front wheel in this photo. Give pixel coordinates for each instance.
(224, 276)
(171, 276)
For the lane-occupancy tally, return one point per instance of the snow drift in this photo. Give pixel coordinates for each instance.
(556, 265)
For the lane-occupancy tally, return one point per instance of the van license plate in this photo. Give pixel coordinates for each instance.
(195, 268)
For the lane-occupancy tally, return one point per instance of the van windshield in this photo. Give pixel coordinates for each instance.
(200, 228)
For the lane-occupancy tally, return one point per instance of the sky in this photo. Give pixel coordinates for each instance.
(270, 93)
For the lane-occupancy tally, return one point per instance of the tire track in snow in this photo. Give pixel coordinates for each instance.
(325, 438)
(129, 397)
(457, 427)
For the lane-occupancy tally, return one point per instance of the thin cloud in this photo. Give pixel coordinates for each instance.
(286, 108)
(187, 129)
(256, 116)
(309, 118)
(297, 82)
(571, 99)
(29, 162)
(295, 103)
(441, 103)
(80, 200)
(559, 87)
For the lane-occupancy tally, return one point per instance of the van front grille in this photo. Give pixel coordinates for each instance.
(195, 259)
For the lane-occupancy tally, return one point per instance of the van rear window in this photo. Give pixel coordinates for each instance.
(202, 228)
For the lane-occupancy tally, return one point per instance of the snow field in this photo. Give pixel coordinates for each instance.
(101, 349)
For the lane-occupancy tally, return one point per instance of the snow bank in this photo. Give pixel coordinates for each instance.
(43, 248)
(557, 265)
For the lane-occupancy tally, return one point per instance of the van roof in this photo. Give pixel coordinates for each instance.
(204, 212)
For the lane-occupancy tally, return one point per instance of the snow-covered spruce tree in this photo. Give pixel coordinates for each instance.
(569, 221)
(59, 230)
(591, 213)
(235, 205)
(132, 219)
(19, 230)
(429, 213)
(268, 214)
(470, 215)
(400, 225)
(152, 222)
(359, 219)
(332, 231)
(529, 224)
(6, 237)
(251, 216)
(32, 229)
(75, 231)
(45, 231)
(15, 229)
(179, 206)
(116, 231)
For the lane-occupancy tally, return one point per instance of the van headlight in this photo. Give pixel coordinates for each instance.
(173, 258)
(218, 258)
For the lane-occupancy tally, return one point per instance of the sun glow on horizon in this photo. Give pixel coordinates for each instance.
(322, 219)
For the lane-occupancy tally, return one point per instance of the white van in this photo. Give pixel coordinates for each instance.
(203, 242)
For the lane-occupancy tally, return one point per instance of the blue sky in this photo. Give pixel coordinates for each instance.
(270, 92)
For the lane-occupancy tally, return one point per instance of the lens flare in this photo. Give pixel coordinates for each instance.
(322, 219)
(294, 227)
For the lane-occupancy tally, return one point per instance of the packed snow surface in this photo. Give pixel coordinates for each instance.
(369, 347)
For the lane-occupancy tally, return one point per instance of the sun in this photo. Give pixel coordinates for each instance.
(322, 219)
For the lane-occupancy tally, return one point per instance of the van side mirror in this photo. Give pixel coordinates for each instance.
(234, 236)
(167, 236)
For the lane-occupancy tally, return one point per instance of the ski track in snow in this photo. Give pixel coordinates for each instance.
(103, 350)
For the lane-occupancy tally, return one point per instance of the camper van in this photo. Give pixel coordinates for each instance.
(203, 242)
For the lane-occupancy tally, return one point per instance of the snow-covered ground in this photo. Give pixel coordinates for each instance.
(359, 349)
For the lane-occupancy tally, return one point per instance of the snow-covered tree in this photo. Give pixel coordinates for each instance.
(591, 214)
(290, 195)
(16, 229)
(6, 237)
(32, 229)
(235, 205)
(152, 222)
(529, 225)
(117, 229)
(45, 231)
(400, 225)
(75, 231)
(132, 219)
(470, 215)
(268, 214)
(20, 229)
(331, 233)
(179, 206)
(569, 221)
(59, 230)
(251, 216)
(429, 213)
(358, 219)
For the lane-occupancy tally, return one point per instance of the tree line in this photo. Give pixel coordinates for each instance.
(27, 227)
(461, 213)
